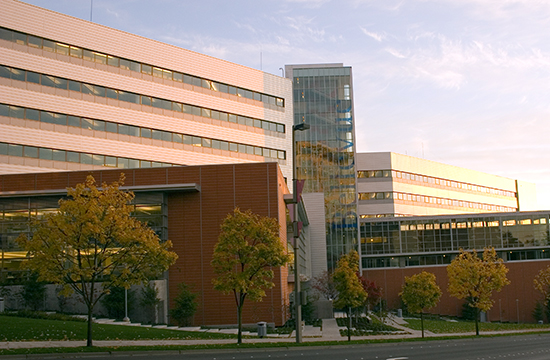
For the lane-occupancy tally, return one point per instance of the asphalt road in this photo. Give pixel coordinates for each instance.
(531, 347)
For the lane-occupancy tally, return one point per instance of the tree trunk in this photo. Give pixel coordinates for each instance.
(477, 322)
(349, 323)
(89, 342)
(422, 322)
(240, 324)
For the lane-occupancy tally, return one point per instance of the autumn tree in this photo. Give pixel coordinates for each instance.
(323, 284)
(350, 291)
(542, 284)
(248, 249)
(476, 278)
(374, 292)
(420, 292)
(185, 305)
(92, 238)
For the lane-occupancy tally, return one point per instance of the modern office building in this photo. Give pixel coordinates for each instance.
(392, 248)
(185, 204)
(391, 184)
(325, 153)
(75, 95)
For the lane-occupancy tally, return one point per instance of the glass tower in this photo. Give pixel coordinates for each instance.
(325, 153)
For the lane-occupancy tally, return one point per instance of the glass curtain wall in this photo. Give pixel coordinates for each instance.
(325, 153)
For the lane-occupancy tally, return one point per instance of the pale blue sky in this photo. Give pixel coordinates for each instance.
(463, 82)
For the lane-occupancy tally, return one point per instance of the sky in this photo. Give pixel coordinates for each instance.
(462, 82)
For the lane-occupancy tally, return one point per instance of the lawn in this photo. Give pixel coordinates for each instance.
(25, 329)
(450, 327)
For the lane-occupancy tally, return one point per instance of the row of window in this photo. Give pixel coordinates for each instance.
(101, 91)
(432, 180)
(444, 259)
(107, 126)
(76, 157)
(432, 200)
(472, 224)
(94, 56)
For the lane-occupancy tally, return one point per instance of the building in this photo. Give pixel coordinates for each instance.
(391, 184)
(184, 204)
(75, 95)
(325, 153)
(392, 248)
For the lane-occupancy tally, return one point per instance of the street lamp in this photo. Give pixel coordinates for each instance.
(297, 297)
(126, 318)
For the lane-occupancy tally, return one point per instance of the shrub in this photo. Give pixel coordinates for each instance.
(185, 306)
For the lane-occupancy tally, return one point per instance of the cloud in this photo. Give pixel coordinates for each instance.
(375, 36)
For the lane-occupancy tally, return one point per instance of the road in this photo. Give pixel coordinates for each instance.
(528, 347)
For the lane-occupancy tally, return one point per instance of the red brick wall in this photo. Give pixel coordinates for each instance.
(505, 308)
(194, 220)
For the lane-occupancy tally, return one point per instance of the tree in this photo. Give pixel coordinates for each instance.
(248, 248)
(185, 305)
(92, 238)
(420, 292)
(149, 301)
(476, 278)
(34, 292)
(116, 304)
(323, 284)
(350, 291)
(374, 292)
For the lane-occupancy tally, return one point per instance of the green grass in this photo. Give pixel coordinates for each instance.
(364, 327)
(449, 327)
(25, 329)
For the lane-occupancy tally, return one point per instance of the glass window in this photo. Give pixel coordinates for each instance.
(156, 134)
(250, 149)
(33, 77)
(257, 96)
(61, 83)
(62, 49)
(178, 138)
(223, 116)
(100, 58)
(17, 74)
(167, 74)
(59, 155)
(60, 119)
(122, 163)
(113, 61)
(31, 151)
(98, 160)
(87, 123)
(86, 159)
(223, 88)
(87, 89)
(32, 114)
(258, 151)
(166, 136)
(99, 91)
(73, 156)
(177, 107)
(48, 45)
(206, 143)
(273, 154)
(133, 164)
(6, 34)
(3, 147)
(233, 147)
(265, 125)
(157, 72)
(145, 133)
(87, 55)
(112, 94)
(224, 145)
(73, 121)
(205, 84)
(15, 150)
(232, 118)
(99, 125)
(111, 127)
(282, 155)
(47, 117)
(146, 100)
(197, 141)
(74, 85)
(128, 97)
(5, 72)
(145, 164)
(205, 113)
(45, 154)
(240, 92)
(17, 112)
(280, 128)
(146, 69)
(232, 90)
(265, 152)
(76, 52)
(178, 76)
(110, 161)
(133, 130)
(187, 139)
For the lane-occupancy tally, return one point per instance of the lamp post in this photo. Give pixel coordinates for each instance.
(126, 318)
(297, 297)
